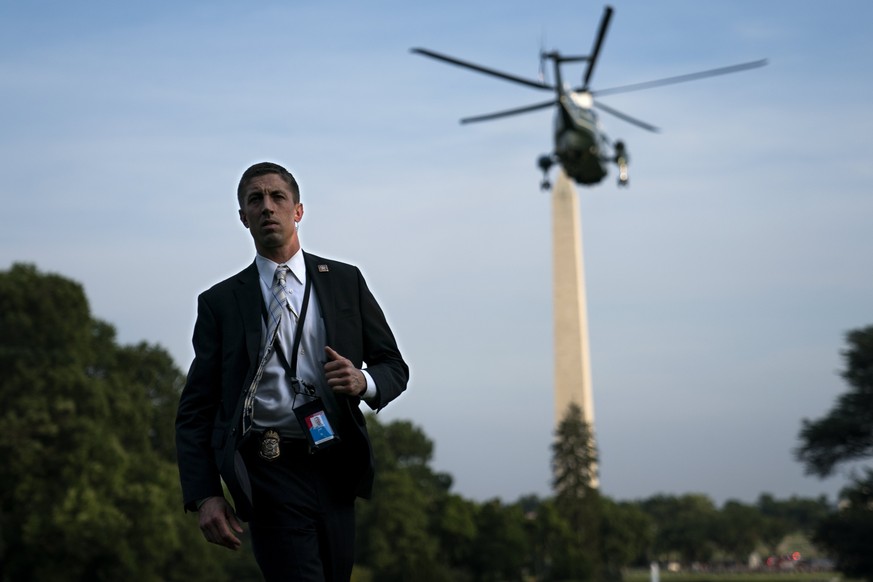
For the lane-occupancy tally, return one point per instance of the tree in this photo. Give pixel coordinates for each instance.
(845, 434)
(795, 514)
(739, 530)
(499, 548)
(574, 474)
(626, 534)
(454, 525)
(847, 534)
(547, 532)
(574, 458)
(685, 526)
(396, 539)
(90, 490)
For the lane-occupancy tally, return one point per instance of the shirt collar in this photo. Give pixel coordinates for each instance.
(267, 268)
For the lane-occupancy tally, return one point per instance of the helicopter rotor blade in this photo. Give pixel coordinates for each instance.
(595, 52)
(508, 112)
(681, 78)
(626, 117)
(485, 70)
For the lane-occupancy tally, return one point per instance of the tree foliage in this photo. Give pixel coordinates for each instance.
(847, 534)
(795, 514)
(574, 460)
(90, 485)
(574, 476)
(396, 538)
(547, 532)
(845, 434)
(686, 527)
(626, 533)
(498, 551)
(90, 490)
(738, 530)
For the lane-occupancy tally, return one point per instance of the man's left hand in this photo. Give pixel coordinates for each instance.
(342, 375)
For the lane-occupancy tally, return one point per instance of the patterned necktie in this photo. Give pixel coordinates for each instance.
(277, 306)
(278, 298)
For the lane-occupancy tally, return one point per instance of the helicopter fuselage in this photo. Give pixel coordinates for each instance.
(580, 144)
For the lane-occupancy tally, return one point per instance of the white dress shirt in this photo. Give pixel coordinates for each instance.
(275, 398)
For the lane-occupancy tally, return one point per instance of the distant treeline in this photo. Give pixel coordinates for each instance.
(89, 487)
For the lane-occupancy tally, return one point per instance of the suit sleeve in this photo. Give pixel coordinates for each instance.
(380, 352)
(195, 418)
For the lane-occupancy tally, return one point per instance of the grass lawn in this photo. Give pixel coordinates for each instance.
(643, 576)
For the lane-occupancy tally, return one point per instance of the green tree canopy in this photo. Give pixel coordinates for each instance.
(847, 534)
(90, 489)
(739, 530)
(574, 479)
(685, 526)
(796, 514)
(499, 550)
(398, 537)
(627, 534)
(846, 432)
(574, 458)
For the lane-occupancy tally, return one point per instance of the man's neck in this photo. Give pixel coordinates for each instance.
(280, 255)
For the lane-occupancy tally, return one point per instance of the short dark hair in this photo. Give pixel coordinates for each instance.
(263, 168)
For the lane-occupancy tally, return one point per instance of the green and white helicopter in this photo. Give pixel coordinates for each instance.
(580, 144)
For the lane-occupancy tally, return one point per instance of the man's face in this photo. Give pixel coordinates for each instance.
(268, 210)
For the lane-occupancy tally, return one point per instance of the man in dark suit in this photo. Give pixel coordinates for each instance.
(271, 403)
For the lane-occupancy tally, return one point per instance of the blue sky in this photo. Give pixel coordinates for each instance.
(720, 284)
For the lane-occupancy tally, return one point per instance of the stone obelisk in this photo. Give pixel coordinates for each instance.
(572, 360)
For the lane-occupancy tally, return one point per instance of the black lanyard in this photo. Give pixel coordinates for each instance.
(298, 333)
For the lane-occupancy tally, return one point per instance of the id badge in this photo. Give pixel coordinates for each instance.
(315, 424)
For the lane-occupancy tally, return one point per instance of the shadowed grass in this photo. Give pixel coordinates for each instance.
(643, 576)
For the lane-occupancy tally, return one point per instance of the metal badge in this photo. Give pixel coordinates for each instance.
(270, 445)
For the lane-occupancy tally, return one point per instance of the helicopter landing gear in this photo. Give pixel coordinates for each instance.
(622, 171)
(621, 158)
(545, 163)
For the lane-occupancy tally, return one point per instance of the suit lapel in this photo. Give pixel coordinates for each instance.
(322, 283)
(249, 300)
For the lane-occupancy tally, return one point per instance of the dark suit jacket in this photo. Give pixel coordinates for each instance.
(228, 335)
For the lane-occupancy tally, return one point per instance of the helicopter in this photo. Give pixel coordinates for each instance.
(580, 144)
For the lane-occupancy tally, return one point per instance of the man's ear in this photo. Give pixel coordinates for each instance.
(243, 219)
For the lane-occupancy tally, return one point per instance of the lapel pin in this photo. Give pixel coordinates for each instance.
(323, 268)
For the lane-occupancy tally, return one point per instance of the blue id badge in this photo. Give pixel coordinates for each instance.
(319, 428)
(316, 425)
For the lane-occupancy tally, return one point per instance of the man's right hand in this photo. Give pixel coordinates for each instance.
(218, 522)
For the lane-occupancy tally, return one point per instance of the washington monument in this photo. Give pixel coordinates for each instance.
(572, 359)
